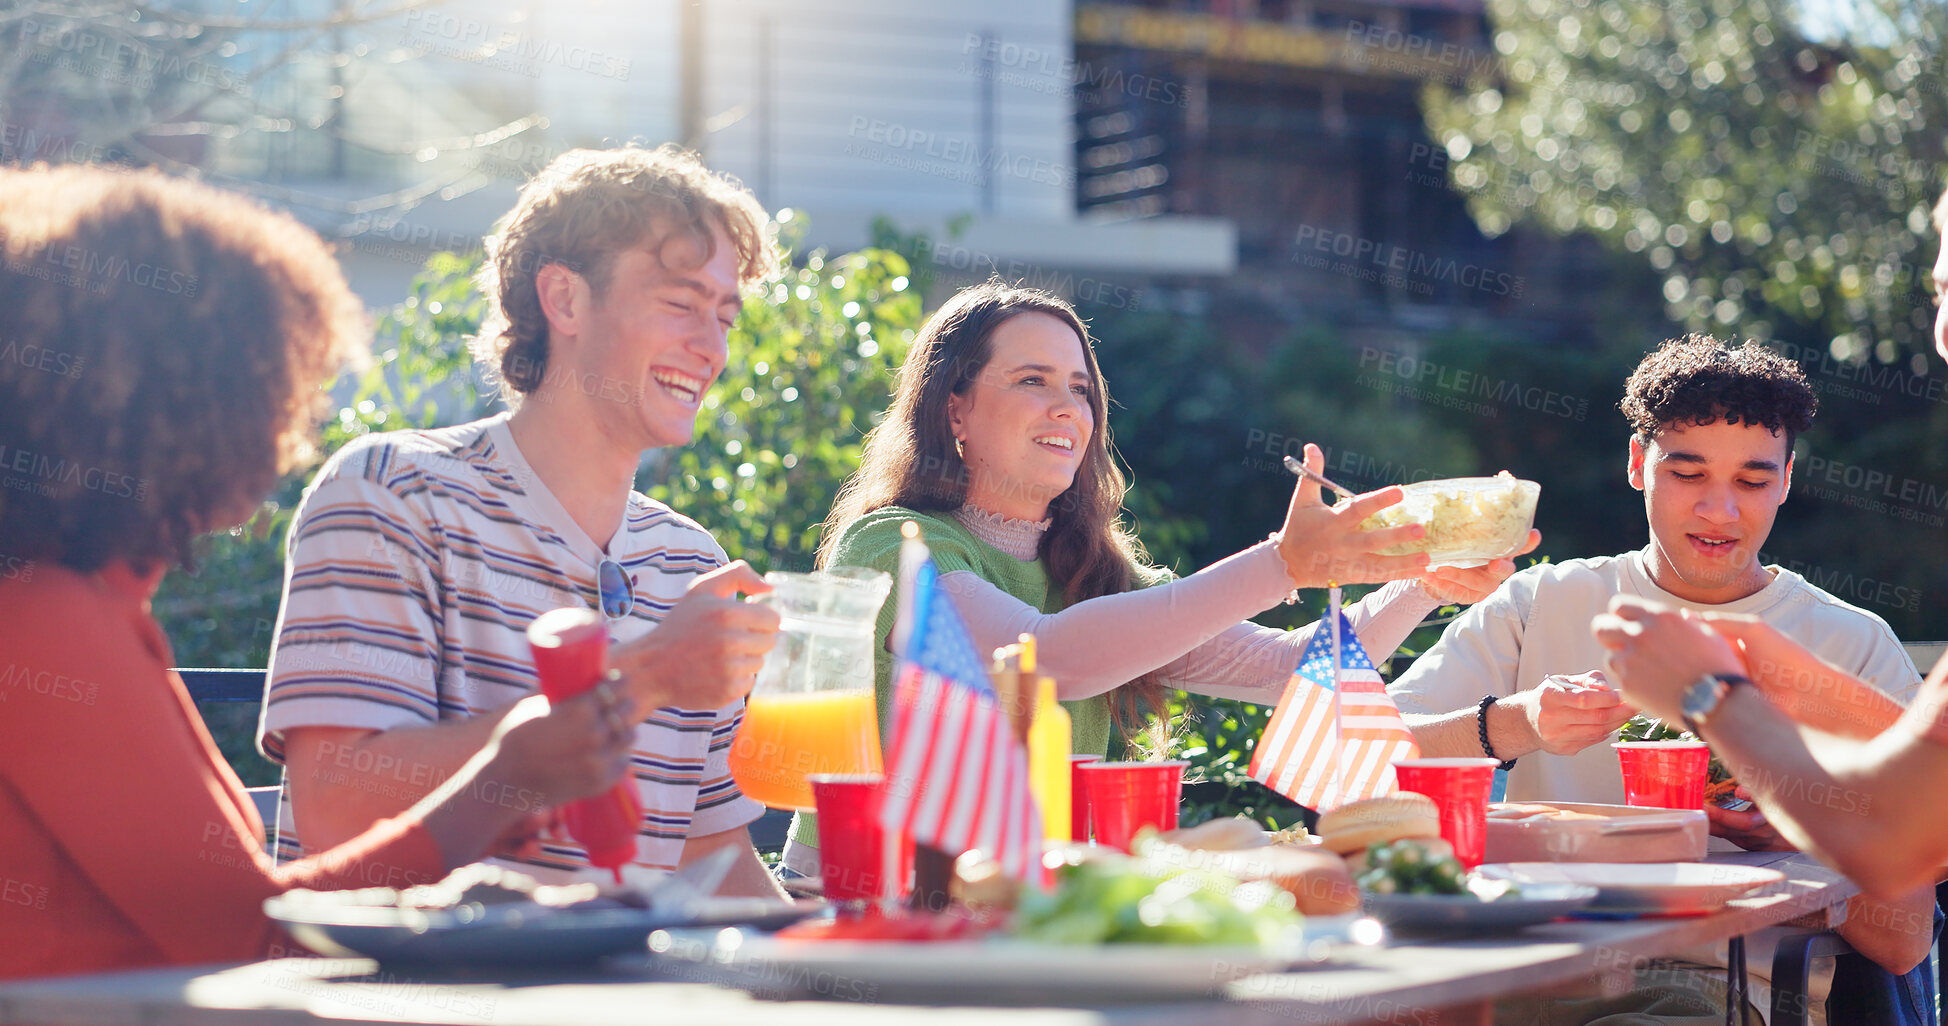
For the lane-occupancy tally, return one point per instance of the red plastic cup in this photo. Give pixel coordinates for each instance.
(1460, 789)
(852, 845)
(570, 646)
(1125, 797)
(1079, 799)
(1664, 774)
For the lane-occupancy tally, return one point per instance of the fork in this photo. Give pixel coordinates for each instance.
(1293, 464)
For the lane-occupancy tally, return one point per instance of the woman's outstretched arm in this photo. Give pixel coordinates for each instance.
(1193, 627)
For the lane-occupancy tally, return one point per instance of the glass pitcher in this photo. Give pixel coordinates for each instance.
(813, 710)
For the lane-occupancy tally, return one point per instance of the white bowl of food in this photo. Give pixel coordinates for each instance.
(1469, 520)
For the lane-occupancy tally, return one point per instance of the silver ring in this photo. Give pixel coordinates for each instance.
(611, 706)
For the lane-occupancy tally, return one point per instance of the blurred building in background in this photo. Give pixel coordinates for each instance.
(1300, 124)
(955, 121)
(1260, 162)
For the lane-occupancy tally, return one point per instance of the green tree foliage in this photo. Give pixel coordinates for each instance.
(1771, 178)
(1778, 181)
(223, 611)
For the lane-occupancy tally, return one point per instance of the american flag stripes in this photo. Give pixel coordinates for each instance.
(957, 777)
(1335, 734)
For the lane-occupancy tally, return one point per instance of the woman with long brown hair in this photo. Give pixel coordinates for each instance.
(996, 445)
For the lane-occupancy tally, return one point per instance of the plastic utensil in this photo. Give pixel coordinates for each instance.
(1297, 466)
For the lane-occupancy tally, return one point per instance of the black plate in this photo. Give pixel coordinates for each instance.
(520, 933)
(1539, 903)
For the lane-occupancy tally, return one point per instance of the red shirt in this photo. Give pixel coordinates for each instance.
(125, 839)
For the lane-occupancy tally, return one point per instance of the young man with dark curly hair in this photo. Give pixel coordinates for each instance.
(1801, 726)
(1712, 430)
(1519, 677)
(1807, 724)
(419, 558)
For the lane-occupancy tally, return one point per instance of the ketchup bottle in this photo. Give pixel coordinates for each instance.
(570, 649)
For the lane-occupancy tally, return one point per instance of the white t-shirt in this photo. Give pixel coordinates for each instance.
(417, 561)
(1538, 623)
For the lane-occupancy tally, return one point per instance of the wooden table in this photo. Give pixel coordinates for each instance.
(1404, 984)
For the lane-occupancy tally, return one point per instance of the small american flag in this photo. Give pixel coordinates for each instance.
(957, 777)
(1335, 734)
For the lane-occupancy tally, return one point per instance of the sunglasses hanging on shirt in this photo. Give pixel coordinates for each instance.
(614, 589)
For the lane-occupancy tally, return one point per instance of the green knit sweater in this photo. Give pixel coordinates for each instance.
(874, 541)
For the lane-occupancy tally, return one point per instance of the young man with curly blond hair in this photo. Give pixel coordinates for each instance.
(419, 558)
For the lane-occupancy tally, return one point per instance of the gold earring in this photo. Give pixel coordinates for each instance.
(960, 449)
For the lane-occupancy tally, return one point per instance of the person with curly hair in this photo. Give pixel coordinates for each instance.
(1519, 678)
(162, 348)
(1842, 771)
(1812, 726)
(418, 558)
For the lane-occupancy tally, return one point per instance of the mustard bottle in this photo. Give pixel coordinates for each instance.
(1048, 761)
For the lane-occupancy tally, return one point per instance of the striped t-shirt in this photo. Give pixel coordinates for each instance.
(417, 561)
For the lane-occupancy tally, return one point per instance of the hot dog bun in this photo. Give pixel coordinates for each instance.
(1359, 825)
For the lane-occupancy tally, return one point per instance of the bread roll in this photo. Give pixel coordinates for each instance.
(1219, 835)
(1371, 821)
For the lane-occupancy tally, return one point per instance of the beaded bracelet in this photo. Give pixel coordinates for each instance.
(1481, 726)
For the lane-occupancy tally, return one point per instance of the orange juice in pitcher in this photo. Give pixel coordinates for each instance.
(813, 709)
(786, 738)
